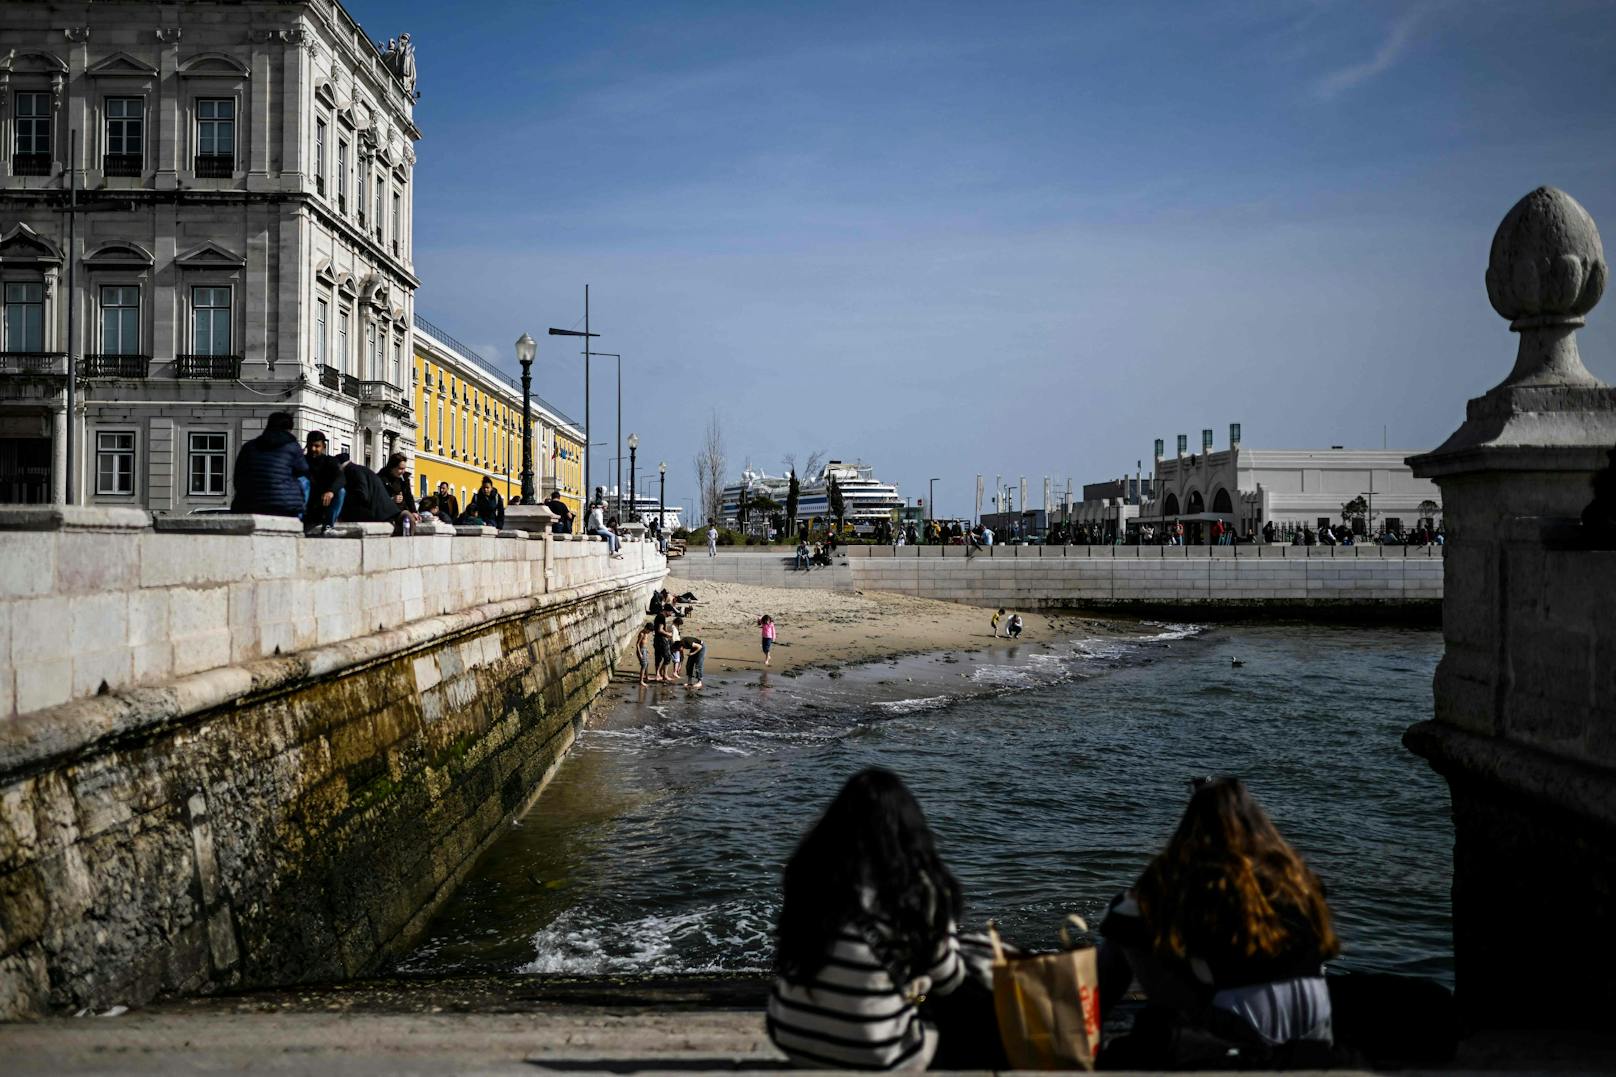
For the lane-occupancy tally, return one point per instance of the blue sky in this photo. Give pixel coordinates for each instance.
(1007, 238)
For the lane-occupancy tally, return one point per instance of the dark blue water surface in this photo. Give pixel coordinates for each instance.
(1050, 771)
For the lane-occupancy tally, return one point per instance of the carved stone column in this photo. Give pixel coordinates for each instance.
(1525, 724)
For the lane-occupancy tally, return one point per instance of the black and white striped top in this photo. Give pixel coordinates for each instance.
(853, 1016)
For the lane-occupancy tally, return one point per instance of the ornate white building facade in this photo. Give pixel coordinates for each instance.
(241, 242)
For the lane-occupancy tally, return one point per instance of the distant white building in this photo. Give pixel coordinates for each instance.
(1290, 487)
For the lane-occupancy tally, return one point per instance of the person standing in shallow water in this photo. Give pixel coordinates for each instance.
(867, 935)
(766, 624)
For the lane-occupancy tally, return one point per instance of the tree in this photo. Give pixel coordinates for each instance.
(710, 469)
(838, 505)
(794, 485)
(1356, 509)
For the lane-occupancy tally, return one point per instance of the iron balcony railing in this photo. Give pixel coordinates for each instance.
(108, 365)
(330, 377)
(215, 165)
(380, 392)
(33, 363)
(123, 164)
(350, 386)
(207, 366)
(30, 164)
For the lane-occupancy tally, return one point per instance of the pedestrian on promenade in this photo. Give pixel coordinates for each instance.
(1015, 626)
(997, 617)
(271, 473)
(698, 658)
(447, 502)
(486, 505)
(712, 538)
(596, 525)
(867, 966)
(766, 623)
(1229, 928)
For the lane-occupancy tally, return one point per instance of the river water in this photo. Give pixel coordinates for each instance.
(1050, 772)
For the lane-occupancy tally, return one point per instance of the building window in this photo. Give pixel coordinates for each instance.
(31, 154)
(215, 137)
(381, 200)
(342, 176)
(322, 315)
(369, 371)
(398, 361)
(398, 209)
(343, 317)
(210, 321)
(440, 423)
(120, 320)
(115, 462)
(126, 132)
(207, 457)
(359, 193)
(319, 156)
(25, 317)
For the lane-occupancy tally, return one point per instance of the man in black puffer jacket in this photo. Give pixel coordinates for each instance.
(268, 469)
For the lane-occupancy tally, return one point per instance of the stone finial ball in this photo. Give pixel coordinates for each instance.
(1547, 264)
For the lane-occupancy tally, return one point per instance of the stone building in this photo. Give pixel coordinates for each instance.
(471, 425)
(1291, 487)
(241, 242)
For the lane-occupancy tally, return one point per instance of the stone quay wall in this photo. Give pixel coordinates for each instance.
(301, 748)
(1046, 577)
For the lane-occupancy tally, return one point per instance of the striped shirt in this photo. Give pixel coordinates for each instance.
(852, 1015)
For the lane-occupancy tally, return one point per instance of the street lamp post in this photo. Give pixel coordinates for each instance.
(633, 450)
(587, 335)
(931, 504)
(662, 496)
(526, 349)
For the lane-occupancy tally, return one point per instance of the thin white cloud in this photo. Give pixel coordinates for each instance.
(1391, 50)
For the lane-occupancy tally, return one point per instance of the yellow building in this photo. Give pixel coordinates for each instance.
(469, 425)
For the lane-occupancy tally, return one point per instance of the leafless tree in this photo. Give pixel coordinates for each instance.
(710, 469)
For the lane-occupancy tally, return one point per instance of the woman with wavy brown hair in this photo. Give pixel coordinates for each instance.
(1229, 927)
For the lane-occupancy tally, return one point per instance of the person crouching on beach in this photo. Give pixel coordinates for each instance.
(698, 659)
(766, 624)
(642, 645)
(997, 617)
(1015, 626)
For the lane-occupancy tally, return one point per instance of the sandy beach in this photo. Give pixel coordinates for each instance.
(834, 628)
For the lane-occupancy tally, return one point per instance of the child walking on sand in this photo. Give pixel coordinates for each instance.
(995, 622)
(766, 623)
(678, 651)
(642, 644)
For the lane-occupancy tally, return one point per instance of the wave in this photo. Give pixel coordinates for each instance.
(585, 942)
(912, 706)
(1170, 631)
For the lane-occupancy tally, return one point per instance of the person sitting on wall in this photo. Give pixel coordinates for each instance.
(368, 500)
(430, 507)
(268, 469)
(327, 488)
(563, 514)
(486, 506)
(397, 480)
(597, 526)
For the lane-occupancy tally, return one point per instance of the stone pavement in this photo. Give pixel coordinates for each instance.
(512, 1025)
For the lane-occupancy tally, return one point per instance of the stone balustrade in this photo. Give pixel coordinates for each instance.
(99, 600)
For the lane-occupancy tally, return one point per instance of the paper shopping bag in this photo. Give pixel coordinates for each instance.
(1048, 1005)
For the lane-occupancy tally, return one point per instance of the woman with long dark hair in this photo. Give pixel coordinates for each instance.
(867, 931)
(1229, 927)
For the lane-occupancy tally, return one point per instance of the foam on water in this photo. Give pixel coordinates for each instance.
(585, 941)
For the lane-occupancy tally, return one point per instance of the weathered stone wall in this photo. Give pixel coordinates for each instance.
(295, 817)
(1034, 577)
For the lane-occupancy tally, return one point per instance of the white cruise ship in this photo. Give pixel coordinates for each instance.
(867, 500)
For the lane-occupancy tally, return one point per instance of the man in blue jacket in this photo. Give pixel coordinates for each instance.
(268, 469)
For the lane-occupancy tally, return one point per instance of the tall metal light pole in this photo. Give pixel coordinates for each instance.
(633, 450)
(69, 491)
(662, 496)
(526, 348)
(619, 458)
(587, 335)
(931, 502)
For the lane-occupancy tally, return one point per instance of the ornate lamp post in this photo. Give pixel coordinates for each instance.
(526, 348)
(633, 447)
(662, 495)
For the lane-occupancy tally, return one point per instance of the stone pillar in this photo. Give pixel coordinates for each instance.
(59, 456)
(1525, 723)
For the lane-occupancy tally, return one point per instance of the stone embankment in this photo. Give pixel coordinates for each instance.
(234, 756)
(1260, 578)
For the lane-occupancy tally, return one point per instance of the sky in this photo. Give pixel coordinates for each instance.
(1018, 238)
